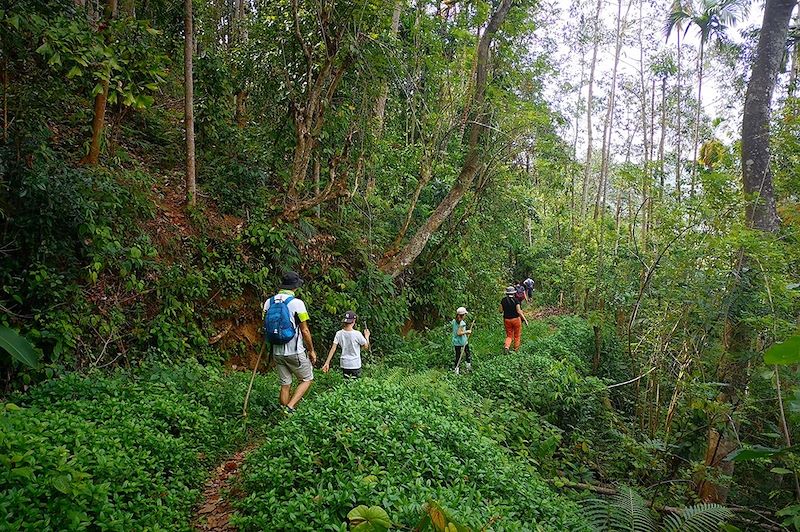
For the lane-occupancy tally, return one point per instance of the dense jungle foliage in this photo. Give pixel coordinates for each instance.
(162, 164)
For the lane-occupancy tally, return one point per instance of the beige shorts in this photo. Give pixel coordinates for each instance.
(298, 365)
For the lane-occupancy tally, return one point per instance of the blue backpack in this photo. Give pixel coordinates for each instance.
(278, 327)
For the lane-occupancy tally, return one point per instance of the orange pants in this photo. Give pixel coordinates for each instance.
(513, 331)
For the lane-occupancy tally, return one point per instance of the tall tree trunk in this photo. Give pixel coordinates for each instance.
(793, 71)
(5, 100)
(240, 36)
(100, 101)
(380, 104)
(678, 132)
(587, 170)
(696, 140)
(760, 213)
(757, 177)
(663, 133)
(577, 113)
(608, 126)
(396, 264)
(576, 118)
(188, 103)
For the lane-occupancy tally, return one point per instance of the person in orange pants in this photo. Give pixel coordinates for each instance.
(513, 318)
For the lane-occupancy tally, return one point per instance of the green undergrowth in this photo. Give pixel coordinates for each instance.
(480, 443)
(396, 443)
(125, 451)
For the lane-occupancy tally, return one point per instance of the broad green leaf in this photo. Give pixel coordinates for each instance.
(74, 71)
(784, 353)
(18, 347)
(366, 519)
(752, 454)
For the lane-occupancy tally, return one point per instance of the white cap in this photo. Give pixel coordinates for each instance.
(461, 310)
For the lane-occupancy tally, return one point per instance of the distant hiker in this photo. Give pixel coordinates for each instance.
(286, 328)
(351, 341)
(461, 340)
(528, 284)
(519, 292)
(512, 318)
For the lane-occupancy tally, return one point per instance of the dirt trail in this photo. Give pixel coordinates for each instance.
(214, 512)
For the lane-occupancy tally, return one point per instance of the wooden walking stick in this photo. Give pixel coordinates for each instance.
(252, 378)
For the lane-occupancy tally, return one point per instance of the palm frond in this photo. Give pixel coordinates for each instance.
(698, 518)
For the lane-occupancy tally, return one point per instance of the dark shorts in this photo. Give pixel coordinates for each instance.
(351, 373)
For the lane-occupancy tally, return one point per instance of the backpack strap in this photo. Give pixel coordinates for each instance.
(288, 300)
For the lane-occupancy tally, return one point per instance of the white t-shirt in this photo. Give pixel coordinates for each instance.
(351, 343)
(298, 314)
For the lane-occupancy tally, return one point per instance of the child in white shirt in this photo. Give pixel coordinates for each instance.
(351, 341)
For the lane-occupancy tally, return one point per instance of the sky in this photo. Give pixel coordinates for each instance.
(720, 98)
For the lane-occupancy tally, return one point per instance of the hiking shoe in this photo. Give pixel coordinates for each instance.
(468, 366)
(288, 410)
(456, 370)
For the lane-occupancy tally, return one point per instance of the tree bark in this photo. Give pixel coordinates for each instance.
(188, 102)
(760, 211)
(396, 264)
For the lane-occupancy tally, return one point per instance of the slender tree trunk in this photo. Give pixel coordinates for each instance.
(5, 100)
(587, 171)
(240, 35)
(188, 103)
(608, 126)
(396, 264)
(380, 104)
(576, 118)
(678, 132)
(577, 113)
(697, 119)
(663, 133)
(793, 72)
(100, 101)
(653, 120)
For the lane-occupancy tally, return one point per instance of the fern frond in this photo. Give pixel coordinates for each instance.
(625, 511)
(698, 518)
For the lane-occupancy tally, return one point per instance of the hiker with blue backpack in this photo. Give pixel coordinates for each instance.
(286, 329)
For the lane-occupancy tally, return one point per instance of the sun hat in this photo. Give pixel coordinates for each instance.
(290, 281)
(511, 290)
(461, 310)
(349, 317)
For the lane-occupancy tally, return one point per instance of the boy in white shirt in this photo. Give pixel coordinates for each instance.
(351, 341)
